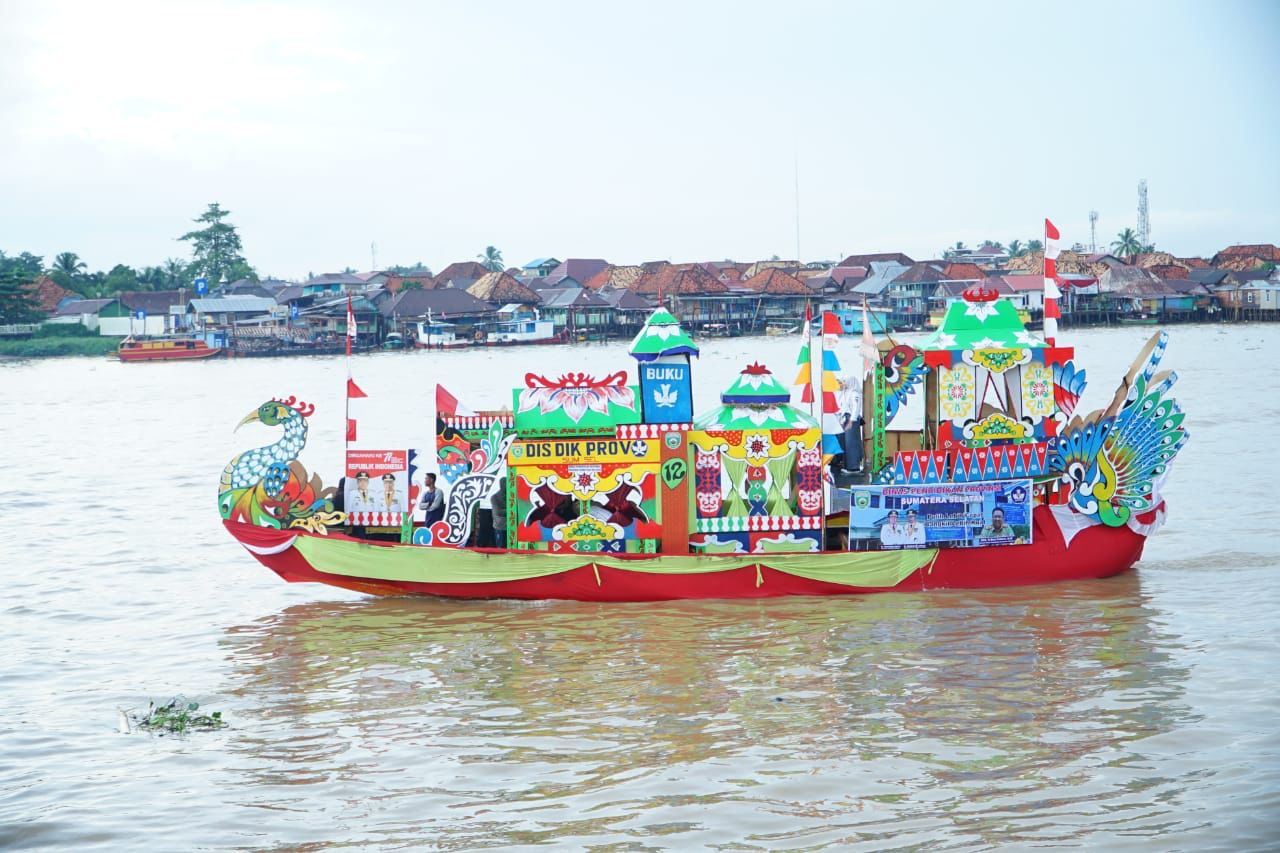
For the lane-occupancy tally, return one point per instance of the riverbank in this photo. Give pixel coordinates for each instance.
(54, 347)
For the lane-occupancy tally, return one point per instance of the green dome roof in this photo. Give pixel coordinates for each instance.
(755, 400)
(982, 323)
(662, 336)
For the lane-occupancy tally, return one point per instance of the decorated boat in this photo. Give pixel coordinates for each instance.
(972, 469)
(181, 348)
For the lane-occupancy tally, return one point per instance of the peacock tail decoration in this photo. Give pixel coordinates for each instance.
(904, 370)
(1115, 458)
(268, 486)
(1068, 386)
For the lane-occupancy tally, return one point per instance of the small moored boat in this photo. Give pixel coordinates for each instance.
(165, 349)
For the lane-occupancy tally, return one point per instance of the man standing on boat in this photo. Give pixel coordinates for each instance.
(432, 500)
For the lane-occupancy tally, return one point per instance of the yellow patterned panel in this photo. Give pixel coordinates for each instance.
(1037, 390)
(956, 395)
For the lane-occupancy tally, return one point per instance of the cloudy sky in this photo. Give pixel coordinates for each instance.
(654, 130)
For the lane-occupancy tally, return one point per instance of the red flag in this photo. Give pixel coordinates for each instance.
(353, 390)
(1050, 231)
(351, 429)
(447, 405)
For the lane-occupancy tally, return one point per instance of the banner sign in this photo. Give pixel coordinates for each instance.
(947, 515)
(377, 481)
(667, 392)
(581, 451)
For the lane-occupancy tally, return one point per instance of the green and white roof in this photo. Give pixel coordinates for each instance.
(975, 324)
(755, 400)
(662, 336)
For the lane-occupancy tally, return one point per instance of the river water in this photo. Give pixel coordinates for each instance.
(1138, 712)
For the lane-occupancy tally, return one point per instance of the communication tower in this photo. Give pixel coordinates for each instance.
(1144, 227)
(1093, 231)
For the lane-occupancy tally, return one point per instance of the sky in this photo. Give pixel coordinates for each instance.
(682, 131)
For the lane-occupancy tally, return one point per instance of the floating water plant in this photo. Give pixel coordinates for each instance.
(177, 716)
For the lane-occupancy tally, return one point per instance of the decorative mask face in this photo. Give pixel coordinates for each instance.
(709, 503)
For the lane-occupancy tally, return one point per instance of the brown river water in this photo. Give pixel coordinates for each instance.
(1138, 712)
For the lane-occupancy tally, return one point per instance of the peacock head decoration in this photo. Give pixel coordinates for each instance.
(1115, 459)
(268, 486)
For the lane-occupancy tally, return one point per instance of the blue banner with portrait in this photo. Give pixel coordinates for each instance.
(942, 515)
(667, 392)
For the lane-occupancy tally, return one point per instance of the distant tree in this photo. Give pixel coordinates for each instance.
(120, 278)
(1016, 249)
(1035, 246)
(1149, 248)
(151, 278)
(175, 274)
(418, 268)
(215, 249)
(68, 263)
(17, 302)
(491, 258)
(411, 284)
(348, 270)
(1126, 244)
(774, 258)
(994, 244)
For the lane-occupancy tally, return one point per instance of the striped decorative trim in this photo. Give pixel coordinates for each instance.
(755, 523)
(374, 519)
(631, 431)
(478, 421)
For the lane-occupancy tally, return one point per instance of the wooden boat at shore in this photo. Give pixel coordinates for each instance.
(974, 471)
(178, 348)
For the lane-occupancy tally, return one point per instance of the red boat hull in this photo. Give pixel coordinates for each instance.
(1094, 552)
(168, 353)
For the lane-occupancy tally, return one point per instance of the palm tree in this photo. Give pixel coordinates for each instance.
(1126, 243)
(1035, 246)
(1016, 249)
(491, 258)
(68, 263)
(175, 272)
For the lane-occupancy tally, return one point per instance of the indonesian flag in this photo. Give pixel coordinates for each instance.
(351, 429)
(804, 377)
(1051, 292)
(447, 405)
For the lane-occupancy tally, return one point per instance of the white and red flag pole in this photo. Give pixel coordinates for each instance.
(1051, 292)
(353, 390)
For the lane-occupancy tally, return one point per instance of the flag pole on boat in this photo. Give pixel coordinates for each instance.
(804, 378)
(1051, 292)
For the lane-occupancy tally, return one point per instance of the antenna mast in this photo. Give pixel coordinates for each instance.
(797, 177)
(1093, 232)
(1144, 227)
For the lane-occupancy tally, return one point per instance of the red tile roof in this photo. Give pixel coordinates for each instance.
(962, 271)
(919, 272)
(679, 280)
(462, 269)
(48, 293)
(500, 288)
(776, 282)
